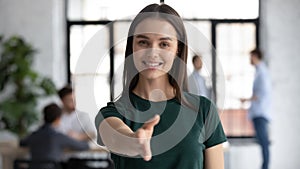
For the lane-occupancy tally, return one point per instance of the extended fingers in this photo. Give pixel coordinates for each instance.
(147, 154)
(152, 122)
(144, 142)
(144, 135)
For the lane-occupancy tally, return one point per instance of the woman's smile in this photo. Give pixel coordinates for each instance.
(152, 65)
(154, 52)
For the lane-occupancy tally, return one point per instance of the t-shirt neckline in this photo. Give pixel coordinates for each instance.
(145, 100)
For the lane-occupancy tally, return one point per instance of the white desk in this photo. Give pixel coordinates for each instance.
(11, 151)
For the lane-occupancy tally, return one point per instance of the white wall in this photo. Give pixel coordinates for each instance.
(40, 22)
(280, 37)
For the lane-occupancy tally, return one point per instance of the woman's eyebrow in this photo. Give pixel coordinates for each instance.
(145, 37)
(166, 38)
(142, 36)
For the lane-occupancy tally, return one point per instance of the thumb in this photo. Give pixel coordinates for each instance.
(152, 122)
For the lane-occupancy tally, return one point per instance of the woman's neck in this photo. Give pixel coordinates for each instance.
(154, 89)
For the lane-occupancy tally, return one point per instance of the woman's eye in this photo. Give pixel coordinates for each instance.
(143, 43)
(164, 45)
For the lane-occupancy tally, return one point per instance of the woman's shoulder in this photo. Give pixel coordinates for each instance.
(115, 108)
(196, 98)
(109, 105)
(121, 102)
(202, 104)
(109, 110)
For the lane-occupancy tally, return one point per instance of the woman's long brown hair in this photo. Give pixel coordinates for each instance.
(177, 75)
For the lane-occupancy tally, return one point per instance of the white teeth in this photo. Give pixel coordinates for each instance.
(152, 64)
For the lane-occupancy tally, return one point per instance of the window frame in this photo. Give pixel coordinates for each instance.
(214, 23)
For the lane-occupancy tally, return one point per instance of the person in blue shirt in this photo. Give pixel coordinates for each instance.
(260, 104)
(46, 144)
(197, 83)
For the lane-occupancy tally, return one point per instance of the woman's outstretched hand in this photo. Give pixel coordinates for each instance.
(119, 138)
(144, 135)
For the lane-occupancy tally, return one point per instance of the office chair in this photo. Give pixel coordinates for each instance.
(90, 163)
(28, 164)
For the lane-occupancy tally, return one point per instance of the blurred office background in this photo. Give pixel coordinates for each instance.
(77, 42)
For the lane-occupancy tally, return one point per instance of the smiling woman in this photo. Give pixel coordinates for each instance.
(156, 123)
(154, 53)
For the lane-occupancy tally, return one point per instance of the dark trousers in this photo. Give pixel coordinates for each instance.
(261, 129)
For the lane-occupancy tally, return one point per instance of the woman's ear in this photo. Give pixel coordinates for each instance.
(178, 48)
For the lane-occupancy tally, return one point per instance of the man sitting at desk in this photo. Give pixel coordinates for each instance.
(74, 123)
(48, 144)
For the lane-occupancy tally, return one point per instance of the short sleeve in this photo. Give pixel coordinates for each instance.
(105, 112)
(214, 133)
(217, 137)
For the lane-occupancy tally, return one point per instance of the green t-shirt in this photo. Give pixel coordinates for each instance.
(180, 137)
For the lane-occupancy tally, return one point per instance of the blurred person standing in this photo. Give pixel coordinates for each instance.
(260, 104)
(74, 123)
(197, 83)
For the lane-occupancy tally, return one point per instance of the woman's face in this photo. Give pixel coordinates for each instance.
(154, 47)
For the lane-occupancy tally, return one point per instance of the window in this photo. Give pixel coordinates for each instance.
(91, 10)
(87, 68)
(234, 41)
(216, 9)
(229, 26)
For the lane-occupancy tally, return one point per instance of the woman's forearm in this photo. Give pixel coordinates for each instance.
(117, 136)
(214, 157)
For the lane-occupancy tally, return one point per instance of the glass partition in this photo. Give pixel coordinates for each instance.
(90, 66)
(234, 42)
(229, 25)
(216, 9)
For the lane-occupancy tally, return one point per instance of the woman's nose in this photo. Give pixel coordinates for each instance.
(153, 52)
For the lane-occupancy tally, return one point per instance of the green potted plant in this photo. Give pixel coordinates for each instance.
(20, 85)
